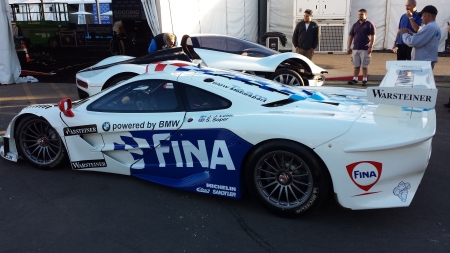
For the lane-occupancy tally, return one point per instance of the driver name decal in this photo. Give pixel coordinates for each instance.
(215, 118)
(87, 129)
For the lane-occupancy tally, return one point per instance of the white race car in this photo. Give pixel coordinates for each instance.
(216, 51)
(215, 132)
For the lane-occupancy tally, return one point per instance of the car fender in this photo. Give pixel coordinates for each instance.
(49, 112)
(113, 59)
(275, 60)
(97, 78)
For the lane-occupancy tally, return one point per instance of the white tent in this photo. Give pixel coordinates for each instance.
(384, 14)
(9, 62)
(236, 18)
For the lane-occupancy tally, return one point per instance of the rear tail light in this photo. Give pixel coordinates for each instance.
(82, 84)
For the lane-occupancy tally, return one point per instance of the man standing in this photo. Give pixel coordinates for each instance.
(412, 21)
(306, 35)
(363, 36)
(425, 42)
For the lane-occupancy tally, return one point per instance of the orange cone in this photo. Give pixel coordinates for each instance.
(24, 47)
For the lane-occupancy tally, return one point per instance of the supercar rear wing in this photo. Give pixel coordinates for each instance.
(406, 84)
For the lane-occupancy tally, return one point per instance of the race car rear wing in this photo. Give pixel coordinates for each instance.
(406, 84)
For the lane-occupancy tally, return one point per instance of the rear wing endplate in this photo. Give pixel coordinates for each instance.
(406, 84)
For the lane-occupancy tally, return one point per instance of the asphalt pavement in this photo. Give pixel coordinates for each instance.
(73, 211)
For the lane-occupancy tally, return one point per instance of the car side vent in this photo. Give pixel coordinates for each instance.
(208, 80)
(280, 103)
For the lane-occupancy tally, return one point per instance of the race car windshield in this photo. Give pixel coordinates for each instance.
(232, 45)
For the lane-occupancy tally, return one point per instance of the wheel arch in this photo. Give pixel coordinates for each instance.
(110, 79)
(250, 152)
(16, 123)
(295, 64)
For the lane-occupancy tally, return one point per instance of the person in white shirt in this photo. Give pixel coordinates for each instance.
(425, 42)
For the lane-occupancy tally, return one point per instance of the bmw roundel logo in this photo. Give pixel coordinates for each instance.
(106, 126)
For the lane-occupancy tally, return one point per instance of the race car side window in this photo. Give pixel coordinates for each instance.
(196, 99)
(142, 96)
(232, 45)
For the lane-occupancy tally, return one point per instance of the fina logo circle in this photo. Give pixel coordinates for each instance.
(365, 174)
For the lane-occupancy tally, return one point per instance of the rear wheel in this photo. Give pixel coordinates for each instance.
(288, 77)
(286, 178)
(39, 142)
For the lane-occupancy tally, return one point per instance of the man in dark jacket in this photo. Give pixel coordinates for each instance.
(306, 35)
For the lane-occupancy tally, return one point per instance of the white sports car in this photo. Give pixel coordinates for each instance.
(215, 132)
(216, 51)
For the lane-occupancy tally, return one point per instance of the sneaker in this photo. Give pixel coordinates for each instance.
(352, 82)
(364, 83)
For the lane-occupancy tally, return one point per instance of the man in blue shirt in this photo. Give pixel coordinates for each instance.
(412, 21)
(362, 35)
(425, 42)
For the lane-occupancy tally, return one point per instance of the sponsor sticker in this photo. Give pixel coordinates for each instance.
(424, 98)
(365, 174)
(223, 190)
(200, 189)
(87, 129)
(141, 125)
(401, 191)
(184, 153)
(106, 126)
(87, 164)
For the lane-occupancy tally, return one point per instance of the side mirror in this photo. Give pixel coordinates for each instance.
(65, 106)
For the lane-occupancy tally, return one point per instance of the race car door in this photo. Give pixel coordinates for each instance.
(198, 153)
(134, 119)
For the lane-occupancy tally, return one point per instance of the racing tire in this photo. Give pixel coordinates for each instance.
(288, 77)
(116, 80)
(39, 143)
(287, 178)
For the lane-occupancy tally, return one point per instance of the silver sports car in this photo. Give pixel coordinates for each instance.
(217, 51)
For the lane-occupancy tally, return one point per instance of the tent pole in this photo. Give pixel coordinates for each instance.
(98, 11)
(387, 20)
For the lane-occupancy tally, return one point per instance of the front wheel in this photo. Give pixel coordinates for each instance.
(39, 142)
(286, 178)
(288, 77)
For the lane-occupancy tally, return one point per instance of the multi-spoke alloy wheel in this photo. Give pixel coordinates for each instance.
(286, 177)
(39, 142)
(288, 77)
